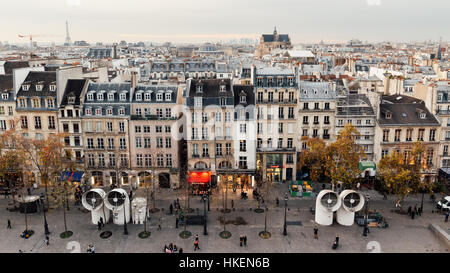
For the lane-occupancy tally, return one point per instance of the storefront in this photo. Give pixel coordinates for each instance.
(367, 168)
(199, 182)
(274, 167)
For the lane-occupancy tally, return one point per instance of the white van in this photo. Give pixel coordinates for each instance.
(444, 203)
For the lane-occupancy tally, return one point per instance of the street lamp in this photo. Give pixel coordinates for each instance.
(366, 222)
(205, 232)
(285, 211)
(45, 218)
(125, 230)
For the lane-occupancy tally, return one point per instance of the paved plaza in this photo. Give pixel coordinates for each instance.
(402, 235)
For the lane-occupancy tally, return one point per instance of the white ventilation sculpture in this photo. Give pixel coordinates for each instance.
(138, 208)
(352, 202)
(118, 201)
(93, 200)
(327, 202)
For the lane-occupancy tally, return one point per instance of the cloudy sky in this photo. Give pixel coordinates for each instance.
(214, 20)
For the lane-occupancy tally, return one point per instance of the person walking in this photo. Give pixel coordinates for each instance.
(159, 223)
(101, 222)
(245, 240)
(176, 222)
(47, 240)
(413, 213)
(196, 237)
(415, 209)
(409, 210)
(9, 224)
(99, 225)
(316, 232)
(232, 204)
(446, 216)
(241, 240)
(180, 250)
(171, 208)
(196, 245)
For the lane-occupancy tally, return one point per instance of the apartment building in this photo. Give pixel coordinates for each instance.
(276, 92)
(105, 123)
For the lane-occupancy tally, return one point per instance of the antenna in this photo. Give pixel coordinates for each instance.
(68, 40)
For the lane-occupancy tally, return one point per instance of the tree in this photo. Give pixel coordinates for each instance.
(401, 175)
(343, 157)
(314, 157)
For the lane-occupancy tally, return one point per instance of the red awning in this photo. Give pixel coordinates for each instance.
(199, 177)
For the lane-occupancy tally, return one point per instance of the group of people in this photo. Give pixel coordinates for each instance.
(172, 248)
(90, 249)
(414, 211)
(243, 240)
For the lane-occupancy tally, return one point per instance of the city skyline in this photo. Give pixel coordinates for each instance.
(305, 21)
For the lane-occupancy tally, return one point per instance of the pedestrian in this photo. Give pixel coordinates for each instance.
(92, 249)
(196, 237)
(196, 245)
(99, 225)
(180, 250)
(159, 223)
(171, 246)
(409, 210)
(101, 222)
(415, 209)
(446, 216)
(9, 224)
(175, 248)
(232, 204)
(131, 195)
(413, 213)
(397, 204)
(245, 240)
(358, 186)
(241, 240)
(277, 201)
(316, 232)
(176, 222)
(171, 208)
(47, 241)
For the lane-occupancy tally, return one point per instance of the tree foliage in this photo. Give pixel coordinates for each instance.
(314, 157)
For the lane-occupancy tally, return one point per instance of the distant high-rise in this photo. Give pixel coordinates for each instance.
(68, 40)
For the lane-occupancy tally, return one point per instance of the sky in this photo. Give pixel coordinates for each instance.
(197, 21)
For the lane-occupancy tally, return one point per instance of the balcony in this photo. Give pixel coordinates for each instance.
(291, 117)
(195, 155)
(151, 117)
(326, 136)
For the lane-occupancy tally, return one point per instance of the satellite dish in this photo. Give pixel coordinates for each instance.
(352, 201)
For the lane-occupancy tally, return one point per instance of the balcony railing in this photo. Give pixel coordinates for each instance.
(151, 117)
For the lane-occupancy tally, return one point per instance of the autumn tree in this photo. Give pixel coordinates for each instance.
(343, 157)
(314, 158)
(400, 174)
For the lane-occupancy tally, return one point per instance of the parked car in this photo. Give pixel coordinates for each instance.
(373, 217)
(444, 203)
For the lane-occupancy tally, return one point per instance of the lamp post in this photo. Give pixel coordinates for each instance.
(205, 232)
(366, 222)
(285, 211)
(125, 230)
(47, 232)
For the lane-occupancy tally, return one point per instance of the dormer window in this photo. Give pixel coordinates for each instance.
(121, 111)
(139, 96)
(90, 96)
(123, 96)
(280, 81)
(147, 97)
(388, 115)
(50, 103)
(109, 111)
(199, 88)
(159, 96)
(39, 87)
(5, 96)
(168, 97)
(71, 99)
(98, 111)
(110, 96)
(291, 81)
(25, 87)
(52, 87)
(223, 88)
(88, 111)
(243, 99)
(100, 96)
(422, 115)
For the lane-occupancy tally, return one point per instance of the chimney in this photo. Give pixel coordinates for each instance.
(134, 79)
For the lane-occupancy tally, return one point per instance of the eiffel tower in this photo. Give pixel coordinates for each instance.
(68, 40)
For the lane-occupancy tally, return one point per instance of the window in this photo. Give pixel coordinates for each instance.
(25, 87)
(242, 162)
(159, 97)
(243, 128)
(219, 149)
(432, 135)
(168, 113)
(326, 120)
(50, 103)
(138, 142)
(158, 128)
(160, 160)
(139, 160)
(52, 87)
(168, 142)
(204, 133)
(98, 111)
(168, 129)
(99, 126)
(112, 160)
(91, 161)
(218, 117)
(397, 135)
(123, 160)
(139, 96)
(305, 132)
(159, 142)
(111, 96)
(147, 96)
(420, 135)
(147, 142)
(121, 127)
(100, 144)
(305, 106)
(51, 122)
(121, 111)
(260, 96)
(110, 143)
(168, 160)
(123, 96)
(270, 99)
(109, 126)
(35, 103)
(305, 119)
(100, 96)
(243, 146)
(315, 132)
(289, 159)
(291, 112)
(3, 125)
(205, 152)
(90, 143)
(281, 112)
(327, 106)
(227, 116)
(430, 153)
(168, 96)
(137, 129)
(22, 103)
(88, 111)
(122, 143)
(146, 129)
(409, 134)
(289, 143)
(39, 87)
(148, 160)
(109, 111)
(204, 117)
(223, 101)
(316, 119)
(385, 135)
(280, 127)
(227, 148)
(194, 149)
(37, 122)
(243, 99)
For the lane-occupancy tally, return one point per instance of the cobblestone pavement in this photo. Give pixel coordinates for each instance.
(403, 234)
